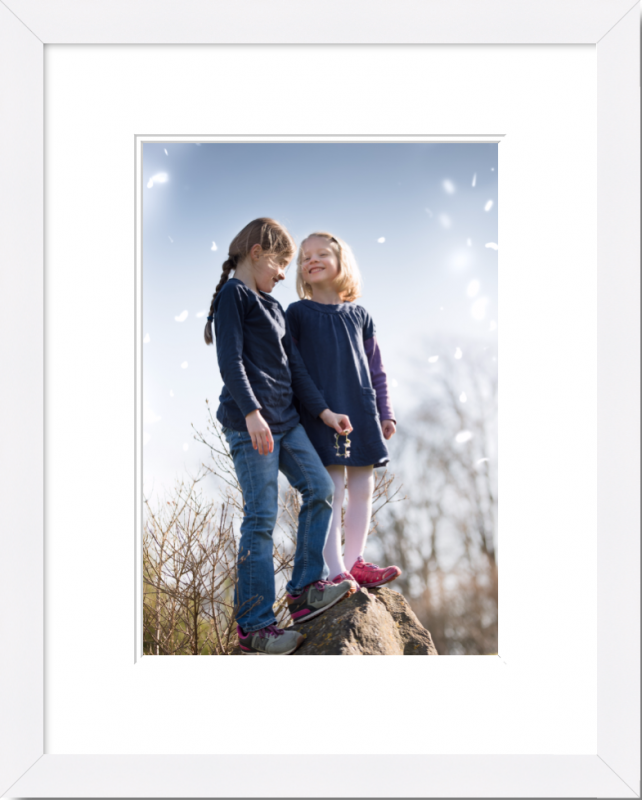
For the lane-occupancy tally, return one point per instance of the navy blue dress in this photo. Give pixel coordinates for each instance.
(338, 347)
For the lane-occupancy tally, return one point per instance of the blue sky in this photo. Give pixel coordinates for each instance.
(420, 218)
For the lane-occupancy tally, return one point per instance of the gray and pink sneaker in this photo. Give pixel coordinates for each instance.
(316, 598)
(345, 576)
(370, 575)
(269, 641)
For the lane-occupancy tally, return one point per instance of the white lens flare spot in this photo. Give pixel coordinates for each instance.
(492, 245)
(458, 353)
(200, 314)
(394, 382)
(381, 239)
(185, 447)
(213, 247)
(492, 326)
(462, 397)
(160, 177)
(474, 180)
(165, 149)
(473, 289)
(449, 186)
(171, 240)
(146, 437)
(445, 221)
(184, 365)
(463, 436)
(181, 317)
(433, 359)
(489, 205)
(478, 308)
(469, 242)
(441, 308)
(428, 211)
(147, 339)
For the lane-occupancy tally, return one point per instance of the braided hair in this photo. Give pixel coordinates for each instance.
(272, 237)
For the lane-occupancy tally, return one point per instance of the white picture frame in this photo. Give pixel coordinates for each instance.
(26, 26)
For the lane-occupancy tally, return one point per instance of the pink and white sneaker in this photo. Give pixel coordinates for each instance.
(370, 575)
(345, 576)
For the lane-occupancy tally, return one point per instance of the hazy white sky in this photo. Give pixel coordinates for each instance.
(420, 218)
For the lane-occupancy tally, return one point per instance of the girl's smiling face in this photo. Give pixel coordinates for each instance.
(319, 264)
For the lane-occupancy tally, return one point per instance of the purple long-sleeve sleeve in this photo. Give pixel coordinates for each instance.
(379, 379)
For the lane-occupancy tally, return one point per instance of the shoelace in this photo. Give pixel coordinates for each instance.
(271, 630)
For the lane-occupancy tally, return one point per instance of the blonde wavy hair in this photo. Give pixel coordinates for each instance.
(348, 281)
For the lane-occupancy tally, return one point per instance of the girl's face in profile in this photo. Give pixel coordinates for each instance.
(319, 264)
(268, 270)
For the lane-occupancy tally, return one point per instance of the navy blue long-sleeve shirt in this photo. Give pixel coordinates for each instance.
(260, 365)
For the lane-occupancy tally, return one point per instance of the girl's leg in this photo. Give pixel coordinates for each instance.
(357, 518)
(301, 465)
(258, 476)
(332, 549)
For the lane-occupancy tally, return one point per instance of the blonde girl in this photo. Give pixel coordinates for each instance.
(337, 342)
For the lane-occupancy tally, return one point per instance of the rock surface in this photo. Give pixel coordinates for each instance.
(369, 623)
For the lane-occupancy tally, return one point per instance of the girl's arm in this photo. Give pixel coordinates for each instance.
(228, 326)
(379, 379)
(303, 385)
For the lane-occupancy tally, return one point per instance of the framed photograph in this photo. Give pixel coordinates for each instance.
(407, 350)
(556, 711)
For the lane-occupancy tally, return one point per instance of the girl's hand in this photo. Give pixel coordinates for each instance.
(388, 427)
(260, 432)
(340, 422)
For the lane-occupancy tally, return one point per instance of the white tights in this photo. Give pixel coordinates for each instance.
(357, 517)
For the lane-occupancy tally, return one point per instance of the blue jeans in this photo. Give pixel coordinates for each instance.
(258, 475)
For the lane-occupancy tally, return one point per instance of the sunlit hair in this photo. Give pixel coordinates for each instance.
(274, 240)
(347, 283)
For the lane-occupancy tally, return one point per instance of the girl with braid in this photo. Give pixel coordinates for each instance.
(262, 370)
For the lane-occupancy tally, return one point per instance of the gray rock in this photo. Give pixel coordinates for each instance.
(369, 623)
